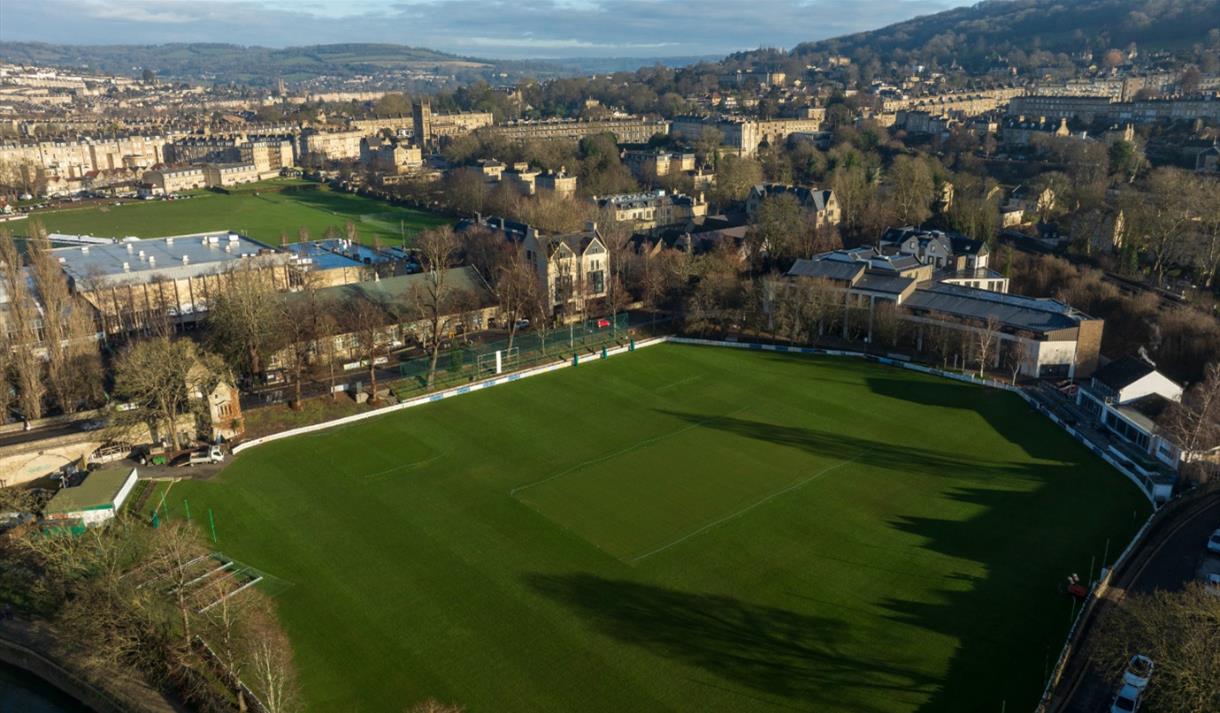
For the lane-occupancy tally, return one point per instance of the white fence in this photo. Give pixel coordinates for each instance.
(1145, 486)
(441, 395)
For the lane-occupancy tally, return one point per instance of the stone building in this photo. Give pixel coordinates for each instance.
(223, 175)
(176, 180)
(560, 182)
(390, 156)
(431, 128)
(625, 131)
(821, 203)
(652, 210)
(331, 146)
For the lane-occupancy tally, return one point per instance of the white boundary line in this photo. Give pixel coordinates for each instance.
(440, 395)
(748, 508)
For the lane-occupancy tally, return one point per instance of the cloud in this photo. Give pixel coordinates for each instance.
(499, 28)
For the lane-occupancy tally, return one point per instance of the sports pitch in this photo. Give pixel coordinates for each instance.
(281, 207)
(682, 528)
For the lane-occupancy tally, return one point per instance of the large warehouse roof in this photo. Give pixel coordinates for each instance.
(175, 257)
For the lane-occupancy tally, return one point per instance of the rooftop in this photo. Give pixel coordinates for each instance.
(1027, 313)
(1123, 372)
(133, 261)
(97, 491)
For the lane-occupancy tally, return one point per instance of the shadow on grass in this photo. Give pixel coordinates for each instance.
(1001, 656)
(1010, 622)
(844, 447)
(1006, 413)
(776, 652)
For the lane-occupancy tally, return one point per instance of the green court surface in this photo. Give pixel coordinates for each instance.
(280, 207)
(679, 529)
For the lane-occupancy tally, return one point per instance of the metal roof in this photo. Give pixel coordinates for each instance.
(174, 257)
(1026, 313)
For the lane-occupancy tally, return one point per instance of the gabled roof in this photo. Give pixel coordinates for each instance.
(576, 242)
(814, 198)
(1123, 372)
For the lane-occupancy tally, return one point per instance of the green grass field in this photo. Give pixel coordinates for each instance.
(679, 529)
(263, 216)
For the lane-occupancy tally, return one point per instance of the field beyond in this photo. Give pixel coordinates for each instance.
(262, 211)
(679, 529)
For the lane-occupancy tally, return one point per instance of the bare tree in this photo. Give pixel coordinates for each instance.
(516, 288)
(1160, 215)
(23, 327)
(242, 318)
(436, 251)
(271, 672)
(1014, 356)
(1177, 629)
(985, 339)
(368, 321)
(69, 334)
(913, 189)
(1194, 423)
(156, 375)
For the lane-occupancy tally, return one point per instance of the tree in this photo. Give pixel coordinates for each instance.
(155, 374)
(392, 104)
(367, 321)
(1160, 215)
(781, 231)
(734, 178)
(1193, 423)
(1207, 249)
(436, 251)
(985, 340)
(465, 190)
(242, 320)
(1177, 629)
(74, 370)
(516, 288)
(913, 190)
(22, 327)
(272, 674)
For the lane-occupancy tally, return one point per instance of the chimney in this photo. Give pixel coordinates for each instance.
(126, 267)
(169, 241)
(152, 260)
(186, 259)
(130, 248)
(591, 226)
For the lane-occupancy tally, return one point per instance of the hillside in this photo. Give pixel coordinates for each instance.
(265, 65)
(228, 62)
(976, 36)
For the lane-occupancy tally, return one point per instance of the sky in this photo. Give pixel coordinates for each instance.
(480, 28)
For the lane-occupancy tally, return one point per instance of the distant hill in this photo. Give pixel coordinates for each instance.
(265, 65)
(226, 62)
(974, 36)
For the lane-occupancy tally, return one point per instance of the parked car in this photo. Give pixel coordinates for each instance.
(1127, 700)
(1213, 543)
(211, 454)
(1139, 671)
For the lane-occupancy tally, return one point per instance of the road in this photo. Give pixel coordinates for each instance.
(39, 434)
(1167, 560)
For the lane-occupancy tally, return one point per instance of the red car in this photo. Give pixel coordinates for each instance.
(601, 323)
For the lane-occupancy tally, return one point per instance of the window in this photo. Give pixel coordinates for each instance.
(597, 282)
